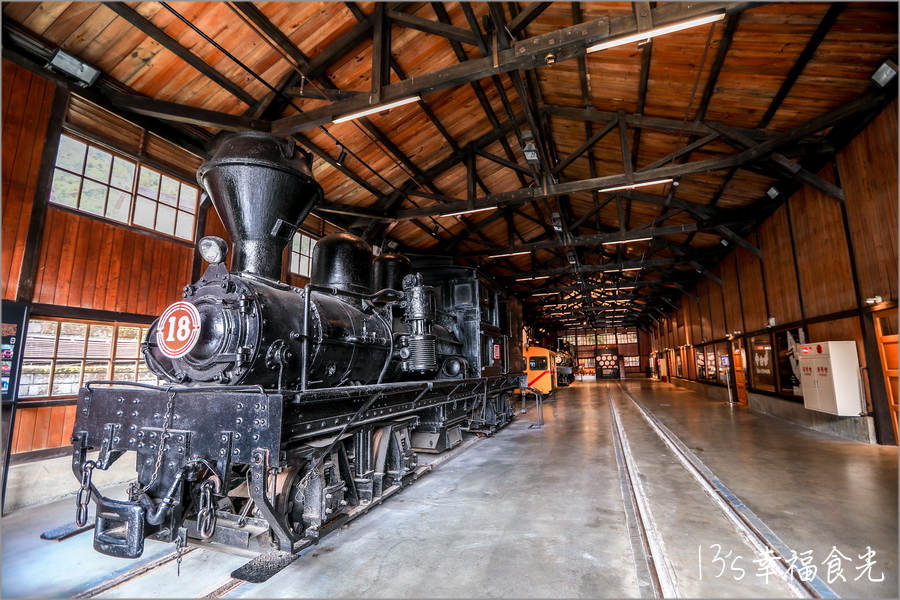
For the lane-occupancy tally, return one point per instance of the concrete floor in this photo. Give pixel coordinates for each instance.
(539, 513)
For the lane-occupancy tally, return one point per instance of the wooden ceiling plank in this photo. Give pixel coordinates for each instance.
(133, 17)
(731, 23)
(809, 50)
(584, 147)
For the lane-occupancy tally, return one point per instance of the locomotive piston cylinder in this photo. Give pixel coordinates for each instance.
(419, 316)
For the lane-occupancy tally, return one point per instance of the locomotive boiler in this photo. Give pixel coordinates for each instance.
(288, 411)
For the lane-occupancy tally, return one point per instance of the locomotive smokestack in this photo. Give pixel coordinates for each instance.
(262, 188)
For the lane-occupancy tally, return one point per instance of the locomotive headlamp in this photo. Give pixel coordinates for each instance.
(213, 249)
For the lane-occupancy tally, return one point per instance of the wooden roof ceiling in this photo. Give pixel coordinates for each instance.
(759, 99)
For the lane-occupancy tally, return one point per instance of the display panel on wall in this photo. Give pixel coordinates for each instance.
(787, 345)
(724, 362)
(701, 363)
(762, 363)
(608, 363)
(678, 370)
(711, 363)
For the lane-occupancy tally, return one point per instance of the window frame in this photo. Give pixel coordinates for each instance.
(53, 358)
(134, 193)
(300, 254)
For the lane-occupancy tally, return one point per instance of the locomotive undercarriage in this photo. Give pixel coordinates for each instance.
(257, 469)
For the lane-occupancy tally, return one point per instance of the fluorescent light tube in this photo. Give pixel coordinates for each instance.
(376, 109)
(651, 33)
(629, 269)
(546, 294)
(533, 278)
(627, 241)
(636, 185)
(469, 212)
(509, 254)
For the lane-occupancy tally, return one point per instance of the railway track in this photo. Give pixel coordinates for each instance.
(652, 564)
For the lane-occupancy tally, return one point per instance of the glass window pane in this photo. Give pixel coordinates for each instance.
(100, 341)
(128, 342)
(145, 375)
(185, 226)
(118, 205)
(304, 266)
(99, 164)
(124, 370)
(34, 380)
(66, 377)
(144, 212)
(71, 340)
(122, 174)
(40, 339)
(96, 370)
(307, 246)
(70, 154)
(65, 188)
(295, 243)
(165, 219)
(295, 262)
(148, 183)
(168, 191)
(93, 197)
(187, 200)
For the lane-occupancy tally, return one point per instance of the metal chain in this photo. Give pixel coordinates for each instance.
(83, 499)
(179, 551)
(167, 423)
(206, 515)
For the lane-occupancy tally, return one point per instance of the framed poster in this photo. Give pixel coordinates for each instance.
(701, 363)
(607, 362)
(711, 363)
(678, 365)
(724, 362)
(15, 316)
(787, 345)
(762, 363)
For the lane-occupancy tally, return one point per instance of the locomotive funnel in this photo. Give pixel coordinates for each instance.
(262, 188)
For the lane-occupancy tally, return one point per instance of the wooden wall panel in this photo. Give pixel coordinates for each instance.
(693, 311)
(716, 308)
(823, 258)
(27, 102)
(843, 329)
(731, 290)
(778, 260)
(752, 291)
(89, 263)
(42, 428)
(702, 291)
(868, 173)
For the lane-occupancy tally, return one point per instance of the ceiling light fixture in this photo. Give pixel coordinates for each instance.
(546, 294)
(376, 109)
(533, 278)
(643, 239)
(468, 212)
(636, 185)
(629, 269)
(509, 254)
(656, 31)
(342, 157)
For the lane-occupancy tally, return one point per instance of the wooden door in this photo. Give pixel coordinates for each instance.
(740, 375)
(886, 335)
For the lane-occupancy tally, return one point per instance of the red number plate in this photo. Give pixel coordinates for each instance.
(178, 329)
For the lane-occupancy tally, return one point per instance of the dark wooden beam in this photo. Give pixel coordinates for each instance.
(731, 23)
(584, 147)
(808, 51)
(381, 52)
(186, 114)
(529, 14)
(134, 18)
(444, 30)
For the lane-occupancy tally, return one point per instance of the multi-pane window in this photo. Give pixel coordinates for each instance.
(92, 179)
(60, 356)
(628, 337)
(301, 254)
(632, 361)
(606, 339)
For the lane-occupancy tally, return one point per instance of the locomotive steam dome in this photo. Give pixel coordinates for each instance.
(344, 262)
(262, 188)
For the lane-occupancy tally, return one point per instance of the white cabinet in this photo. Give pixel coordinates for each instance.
(829, 377)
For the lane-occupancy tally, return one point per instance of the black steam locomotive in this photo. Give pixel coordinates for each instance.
(289, 411)
(565, 364)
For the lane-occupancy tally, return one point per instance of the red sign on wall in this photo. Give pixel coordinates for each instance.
(178, 329)
(496, 351)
